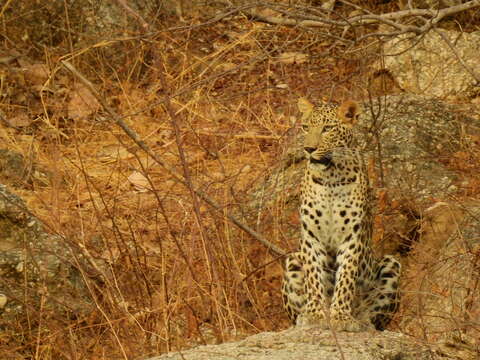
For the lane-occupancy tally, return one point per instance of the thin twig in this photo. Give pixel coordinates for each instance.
(132, 12)
(3, 119)
(459, 58)
(134, 136)
(187, 177)
(207, 132)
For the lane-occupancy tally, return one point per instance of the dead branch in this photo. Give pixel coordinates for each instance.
(282, 21)
(132, 12)
(430, 17)
(134, 136)
(3, 119)
(459, 58)
(302, 16)
(397, 15)
(253, 136)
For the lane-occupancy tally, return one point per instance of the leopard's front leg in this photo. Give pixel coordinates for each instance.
(318, 280)
(348, 258)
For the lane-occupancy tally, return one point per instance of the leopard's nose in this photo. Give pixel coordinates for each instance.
(309, 149)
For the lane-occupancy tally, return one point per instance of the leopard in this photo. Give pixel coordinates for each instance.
(333, 280)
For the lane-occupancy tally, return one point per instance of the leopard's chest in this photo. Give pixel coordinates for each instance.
(329, 212)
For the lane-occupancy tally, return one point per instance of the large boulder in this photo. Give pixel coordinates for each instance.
(427, 65)
(411, 138)
(311, 344)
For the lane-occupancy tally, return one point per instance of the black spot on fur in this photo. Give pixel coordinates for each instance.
(388, 275)
(356, 227)
(294, 267)
(343, 213)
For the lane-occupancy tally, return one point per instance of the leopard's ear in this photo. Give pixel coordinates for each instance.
(305, 107)
(349, 112)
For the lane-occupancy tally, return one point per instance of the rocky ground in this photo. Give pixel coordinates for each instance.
(313, 344)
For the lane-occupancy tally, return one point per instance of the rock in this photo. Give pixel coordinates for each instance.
(310, 344)
(427, 65)
(417, 135)
(35, 266)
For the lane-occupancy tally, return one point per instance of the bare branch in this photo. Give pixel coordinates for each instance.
(132, 12)
(436, 14)
(455, 52)
(283, 21)
(303, 18)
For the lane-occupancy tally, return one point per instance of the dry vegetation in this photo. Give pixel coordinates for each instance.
(173, 271)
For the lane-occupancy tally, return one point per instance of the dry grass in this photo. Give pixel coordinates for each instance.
(172, 273)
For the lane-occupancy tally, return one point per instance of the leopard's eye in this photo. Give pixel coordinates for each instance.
(305, 128)
(327, 128)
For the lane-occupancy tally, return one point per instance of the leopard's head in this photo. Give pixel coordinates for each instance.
(327, 128)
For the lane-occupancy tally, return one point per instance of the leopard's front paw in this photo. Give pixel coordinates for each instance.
(341, 322)
(312, 319)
